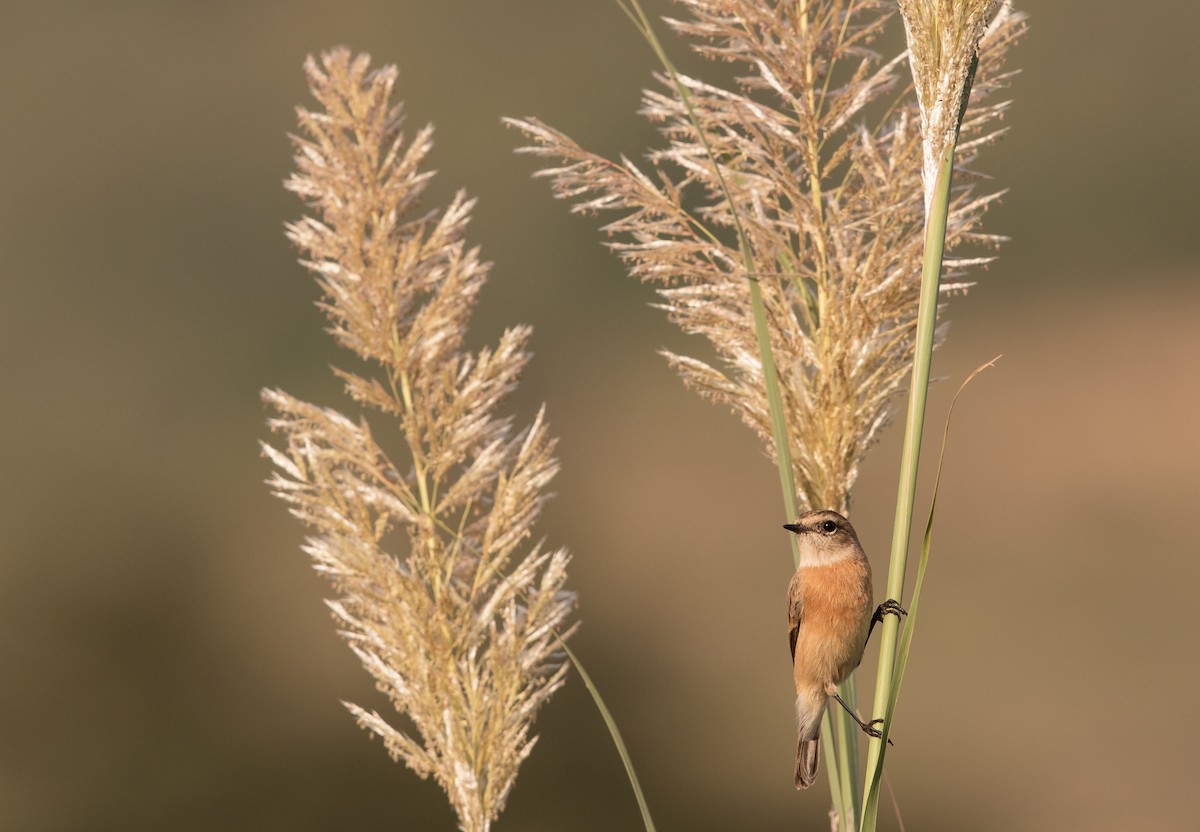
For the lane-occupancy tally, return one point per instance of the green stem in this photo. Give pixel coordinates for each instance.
(783, 448)
(849, 691)
(840, 791)
(831, 751)
(847, 759)
(935, 240)
(615, 733)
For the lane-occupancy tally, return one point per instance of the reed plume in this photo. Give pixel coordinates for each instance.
(425, 540)
(817, 156)
(943, 37)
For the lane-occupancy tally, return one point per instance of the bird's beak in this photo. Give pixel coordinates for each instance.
(793, 527)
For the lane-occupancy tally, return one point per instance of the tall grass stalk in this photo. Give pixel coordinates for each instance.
(943, 38)
(783, 221)
(909, 458)
(914, 425)
(762, 335)
(837, 736)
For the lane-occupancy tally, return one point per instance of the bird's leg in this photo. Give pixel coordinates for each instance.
(889, 607)
(868, 727)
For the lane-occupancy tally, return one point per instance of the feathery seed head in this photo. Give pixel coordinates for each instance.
(822, 167)
(461, 631)
(943, 41)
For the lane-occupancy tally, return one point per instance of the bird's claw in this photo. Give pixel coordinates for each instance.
(871, 731)
(889, 607)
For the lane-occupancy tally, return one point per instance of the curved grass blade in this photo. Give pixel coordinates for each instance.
(783, 451)
(615, 733)
(871, 801)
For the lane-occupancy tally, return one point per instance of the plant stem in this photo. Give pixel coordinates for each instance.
(839, 791)
(935, 239)
(783, 448)
(847, 761)
(615, 733)
(871, 804)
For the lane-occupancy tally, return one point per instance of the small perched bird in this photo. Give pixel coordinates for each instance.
(829, 621)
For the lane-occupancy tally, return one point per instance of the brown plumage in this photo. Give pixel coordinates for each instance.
(829, 613)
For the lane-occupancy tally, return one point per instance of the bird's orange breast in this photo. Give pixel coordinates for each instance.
(835, 615)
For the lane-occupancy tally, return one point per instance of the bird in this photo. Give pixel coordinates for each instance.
(829, 623)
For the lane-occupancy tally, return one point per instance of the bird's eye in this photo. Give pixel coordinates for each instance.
(829, 527)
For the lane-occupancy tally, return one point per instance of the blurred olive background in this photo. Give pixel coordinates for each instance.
(166, 658)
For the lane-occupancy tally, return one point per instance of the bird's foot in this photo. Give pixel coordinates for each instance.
(889, 607)
(871, 731)
(868, 727)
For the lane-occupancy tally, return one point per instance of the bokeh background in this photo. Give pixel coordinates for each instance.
(166, 658)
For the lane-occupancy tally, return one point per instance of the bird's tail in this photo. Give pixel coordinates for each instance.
(806, 762)
(809, 710)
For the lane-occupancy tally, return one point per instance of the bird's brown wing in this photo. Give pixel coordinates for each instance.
(795, 612)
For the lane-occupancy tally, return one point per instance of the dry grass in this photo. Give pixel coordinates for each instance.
(449, 608)
(820, 147)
